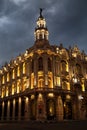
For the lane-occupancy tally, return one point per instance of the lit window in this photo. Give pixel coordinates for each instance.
(18, 71)
(24, 68)
(13, 74)
(6, 91)
(3, 79)
(50, 80)
(8, 78)
(13, 89)
(58, 81)
(3, 92)
(18, 86)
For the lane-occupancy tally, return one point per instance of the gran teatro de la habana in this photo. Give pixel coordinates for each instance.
(47, 82)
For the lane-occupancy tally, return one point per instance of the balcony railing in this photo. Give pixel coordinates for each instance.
(56, 90)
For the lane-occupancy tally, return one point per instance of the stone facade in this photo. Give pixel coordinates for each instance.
(47, 82)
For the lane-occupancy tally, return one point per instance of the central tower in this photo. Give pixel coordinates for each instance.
(41, 32)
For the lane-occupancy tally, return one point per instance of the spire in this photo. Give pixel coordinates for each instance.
(41, 31)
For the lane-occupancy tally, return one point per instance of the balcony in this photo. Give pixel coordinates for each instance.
(45, 90)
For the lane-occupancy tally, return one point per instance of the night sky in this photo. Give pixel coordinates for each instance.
(66, 22)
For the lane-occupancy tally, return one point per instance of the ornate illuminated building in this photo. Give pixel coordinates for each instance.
(46, 82)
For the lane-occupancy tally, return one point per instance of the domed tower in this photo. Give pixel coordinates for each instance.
(41, 32)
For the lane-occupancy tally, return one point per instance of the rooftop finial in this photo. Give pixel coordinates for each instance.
(41, 12)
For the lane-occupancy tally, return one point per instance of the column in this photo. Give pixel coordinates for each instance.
(13, 113)
(19, 108)
(59, 108)
(27, 108)
(8, 110)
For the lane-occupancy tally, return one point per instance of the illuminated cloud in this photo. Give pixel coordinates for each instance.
(18, 2)
(66, 22)
(4, 20)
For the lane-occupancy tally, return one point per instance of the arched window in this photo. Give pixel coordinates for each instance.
(8, 77)
(78, 68)
(49, 64)
(13, 74)
(7, 91)
(64, 85)
(24, 68)
(40, 64)
(64, 65)
(13, 88)
(18, 71)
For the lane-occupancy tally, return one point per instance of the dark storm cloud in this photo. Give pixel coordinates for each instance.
(66, 21)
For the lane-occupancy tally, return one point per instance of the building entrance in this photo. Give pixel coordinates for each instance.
(50, 109)
(32, 110)
(67, 110)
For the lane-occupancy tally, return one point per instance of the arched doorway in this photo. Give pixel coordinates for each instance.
(5, 110)
(33, 110)
(67, 110)
(16, 109)
(11, 109)
(22, 109)
(51, 110)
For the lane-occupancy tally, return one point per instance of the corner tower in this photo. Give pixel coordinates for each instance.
(41, 32)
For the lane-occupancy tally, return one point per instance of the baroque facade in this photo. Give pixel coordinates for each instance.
(47, 82)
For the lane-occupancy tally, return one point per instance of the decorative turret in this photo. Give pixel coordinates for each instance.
(41, 31)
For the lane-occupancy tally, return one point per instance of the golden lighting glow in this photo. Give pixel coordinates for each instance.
(5, 69)
(13, 89)
(32, 96)
(68, 97)
(24, 68)
(19, 58)
(58, 81)
(8, 103)
(75, 80)
(19, 100)
(3, 79)
(50, 80)
(40, 51)
(18, 71)
(67, 68)
(32, 80)
(80, 97)
(6, 91)
(68, 86)
(83, 87)
(8, 78)
(86, 58)
(3, 92)
(50, 95)
(57, 50)
(46, 79)
(13, 102)
(13, 74)
(18, 86)
(74, 54)
(40, 97)
(40, 79)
